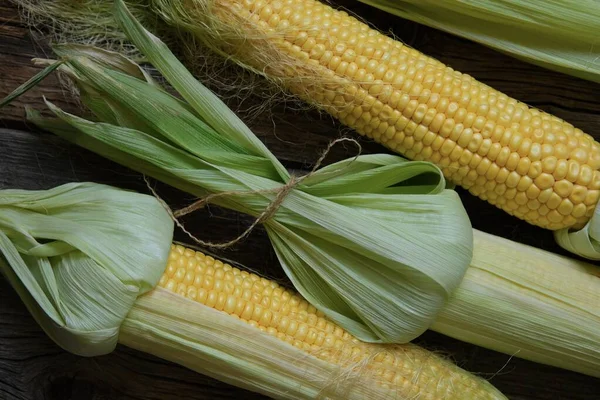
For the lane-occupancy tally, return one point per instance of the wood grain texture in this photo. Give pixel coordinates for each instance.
(32, 367)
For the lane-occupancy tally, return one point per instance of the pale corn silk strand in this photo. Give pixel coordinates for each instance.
(257, 36)
(264, 216)
(89, 22)
(69, 21)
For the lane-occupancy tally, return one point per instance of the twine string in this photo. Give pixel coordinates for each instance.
(265, 215)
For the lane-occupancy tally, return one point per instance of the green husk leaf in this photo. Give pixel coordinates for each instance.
(206, 103)
(37, 78)
(63, 253)
(559, 35)
(584, 242)
(106, 58)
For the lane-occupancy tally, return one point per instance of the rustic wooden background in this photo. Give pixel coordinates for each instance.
(32, 367)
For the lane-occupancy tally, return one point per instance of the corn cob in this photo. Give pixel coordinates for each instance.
(399, 371)
(529, 163)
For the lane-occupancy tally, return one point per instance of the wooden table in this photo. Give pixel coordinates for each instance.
(33, 367)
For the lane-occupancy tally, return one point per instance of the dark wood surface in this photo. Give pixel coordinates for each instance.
(32, 367)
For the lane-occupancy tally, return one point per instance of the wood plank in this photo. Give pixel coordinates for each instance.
(17, 48)
(32, 367)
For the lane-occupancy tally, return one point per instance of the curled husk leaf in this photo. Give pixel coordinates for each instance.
(62, 250)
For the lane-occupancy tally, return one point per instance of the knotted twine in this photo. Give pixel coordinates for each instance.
(264, 216)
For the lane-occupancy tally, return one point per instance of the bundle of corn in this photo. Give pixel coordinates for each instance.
(95, 266)
(558, 35)
(376, 242)
(510, 295)
(531, 164)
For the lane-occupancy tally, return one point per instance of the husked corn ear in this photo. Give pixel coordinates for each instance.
(529, 163)
(406, 370)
